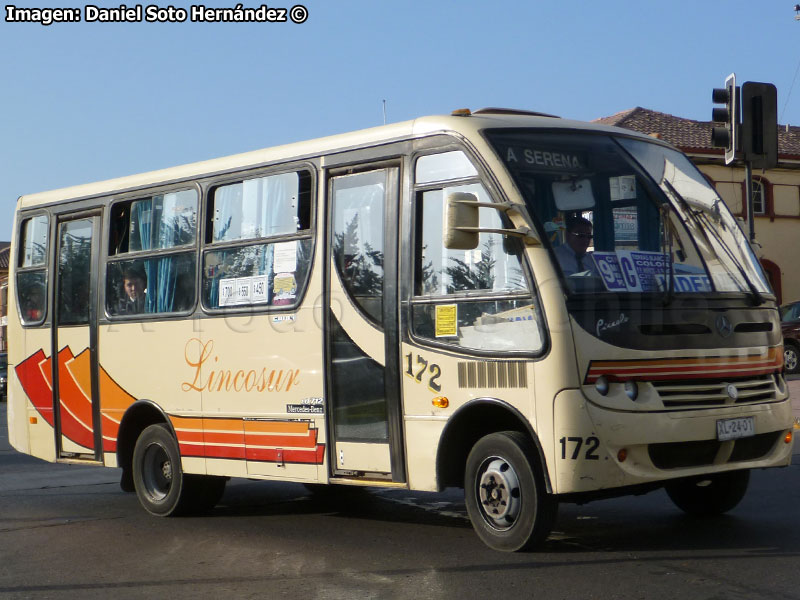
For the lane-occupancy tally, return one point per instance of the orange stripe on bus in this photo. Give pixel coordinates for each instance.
(222, 425)
(276, 426)
(190, 423)
(675, 362)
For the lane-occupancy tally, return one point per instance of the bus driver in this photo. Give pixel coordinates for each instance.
(572, 254)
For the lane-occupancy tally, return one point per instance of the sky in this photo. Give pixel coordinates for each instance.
(89, 101)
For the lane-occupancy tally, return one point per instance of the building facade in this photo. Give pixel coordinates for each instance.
(776, 192)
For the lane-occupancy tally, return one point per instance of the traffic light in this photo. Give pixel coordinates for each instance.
(760, 124)
(728, 136)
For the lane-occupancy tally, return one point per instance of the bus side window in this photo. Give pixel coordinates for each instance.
(32, 273)
(152, 240)
(478, 299)
(258, 265)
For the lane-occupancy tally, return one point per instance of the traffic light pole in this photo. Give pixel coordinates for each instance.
(758, 142)
(748, 186)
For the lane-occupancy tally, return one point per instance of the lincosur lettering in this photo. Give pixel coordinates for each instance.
(200, 357)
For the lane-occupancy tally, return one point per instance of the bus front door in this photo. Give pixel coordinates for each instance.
(361, 336)
(75, 389)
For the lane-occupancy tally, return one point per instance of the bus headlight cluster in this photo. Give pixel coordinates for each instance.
(603, 387)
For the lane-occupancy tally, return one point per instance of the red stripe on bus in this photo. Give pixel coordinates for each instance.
(212, 451)
(283, 441)
(287, 455)
(35, 386)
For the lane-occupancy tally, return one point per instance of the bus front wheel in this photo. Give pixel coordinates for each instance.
(709, 495)
(505, 494)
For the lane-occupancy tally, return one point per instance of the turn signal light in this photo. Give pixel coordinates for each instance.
(788, 437)
(440, 402)
(33, 420)
(622, 455)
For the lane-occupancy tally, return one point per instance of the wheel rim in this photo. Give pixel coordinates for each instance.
(790, 358)
(157, 472)
(498, 493)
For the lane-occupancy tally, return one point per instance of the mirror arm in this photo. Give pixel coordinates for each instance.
(526, 234)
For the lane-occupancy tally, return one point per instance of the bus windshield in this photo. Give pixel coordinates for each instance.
(628, 216)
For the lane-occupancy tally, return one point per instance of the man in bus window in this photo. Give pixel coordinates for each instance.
(134, 286)
(33, 304)
(572, 254)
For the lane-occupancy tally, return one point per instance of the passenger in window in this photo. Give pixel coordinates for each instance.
(572, 255)
(33, 304)
(134, 286)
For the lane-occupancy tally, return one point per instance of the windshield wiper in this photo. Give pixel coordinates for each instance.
(669, 277)
(702, 222)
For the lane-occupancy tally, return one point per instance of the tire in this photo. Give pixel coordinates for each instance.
(710, 495)
(791, 357)
(161, 486)
(505, 493)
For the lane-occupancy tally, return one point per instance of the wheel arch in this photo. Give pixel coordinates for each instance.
(471, 422)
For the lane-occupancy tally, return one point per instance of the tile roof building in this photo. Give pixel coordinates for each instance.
(776, 192)
(694, 137)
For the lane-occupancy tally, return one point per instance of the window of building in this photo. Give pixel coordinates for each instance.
(759, 198)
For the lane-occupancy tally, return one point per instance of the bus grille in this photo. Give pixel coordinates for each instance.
(714, 392)
(475, 374)
(682, 455)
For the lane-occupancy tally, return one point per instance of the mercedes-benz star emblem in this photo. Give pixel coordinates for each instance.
(724, 326)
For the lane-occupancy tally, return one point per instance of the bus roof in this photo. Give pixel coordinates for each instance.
(469, 126)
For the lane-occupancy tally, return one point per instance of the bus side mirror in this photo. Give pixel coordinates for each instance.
(461, 225)
(461, 221)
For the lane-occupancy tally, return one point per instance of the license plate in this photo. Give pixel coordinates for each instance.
(732, 429)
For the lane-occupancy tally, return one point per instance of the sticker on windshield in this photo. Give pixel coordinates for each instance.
(686, 283)
(608, 266)
(639, 269)
(635, 271)
(622, 187)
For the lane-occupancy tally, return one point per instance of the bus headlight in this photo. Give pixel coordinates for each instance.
(601, 385)
(632, 390)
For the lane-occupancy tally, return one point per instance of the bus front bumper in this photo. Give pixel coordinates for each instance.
(597, 448)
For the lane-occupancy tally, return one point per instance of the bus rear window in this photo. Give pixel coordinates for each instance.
(33, 244)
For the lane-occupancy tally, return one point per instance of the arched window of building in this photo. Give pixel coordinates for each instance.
(759, 198)
(762, 198)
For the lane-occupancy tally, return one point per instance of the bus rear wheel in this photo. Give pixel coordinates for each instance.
(161, 485)
(709, 495)
(505, 493)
